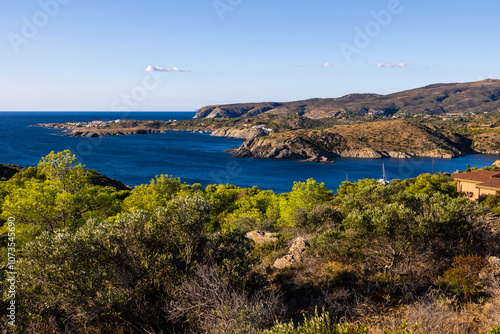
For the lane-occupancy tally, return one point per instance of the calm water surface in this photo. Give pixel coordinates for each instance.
(193, 157)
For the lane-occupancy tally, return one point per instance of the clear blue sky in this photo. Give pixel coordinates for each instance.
(91, 55)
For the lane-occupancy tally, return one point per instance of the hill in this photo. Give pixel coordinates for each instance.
(479, 96)
(394, 139)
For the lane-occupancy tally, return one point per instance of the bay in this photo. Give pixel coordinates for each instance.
(194, 157)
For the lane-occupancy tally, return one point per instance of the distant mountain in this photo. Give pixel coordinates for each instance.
(479, 96)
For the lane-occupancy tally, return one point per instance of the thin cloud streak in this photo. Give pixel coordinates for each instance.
(163, 69)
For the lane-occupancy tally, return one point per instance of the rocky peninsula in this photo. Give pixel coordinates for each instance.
(386, 139)
(440, 120)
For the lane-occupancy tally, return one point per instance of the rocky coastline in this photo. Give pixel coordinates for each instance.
(375, 140)
(390, 139)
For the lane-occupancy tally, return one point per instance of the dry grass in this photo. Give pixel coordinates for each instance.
(436, 315)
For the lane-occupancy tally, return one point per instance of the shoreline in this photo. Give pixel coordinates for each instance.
(310, 145)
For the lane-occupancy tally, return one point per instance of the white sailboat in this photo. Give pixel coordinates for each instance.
(383, 180)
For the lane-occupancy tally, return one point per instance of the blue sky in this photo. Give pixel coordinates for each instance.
(93, 55)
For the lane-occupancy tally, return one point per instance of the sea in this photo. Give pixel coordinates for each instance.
(193, 156)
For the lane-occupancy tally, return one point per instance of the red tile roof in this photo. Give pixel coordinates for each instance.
(478, 176)
(492, 183)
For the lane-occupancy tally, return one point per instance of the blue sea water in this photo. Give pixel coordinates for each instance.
(194, 157)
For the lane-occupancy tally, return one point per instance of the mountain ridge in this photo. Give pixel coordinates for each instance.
(434, 99)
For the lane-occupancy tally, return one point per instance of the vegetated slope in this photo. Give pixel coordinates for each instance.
(479, 96)
(396, 139)
(8, 171)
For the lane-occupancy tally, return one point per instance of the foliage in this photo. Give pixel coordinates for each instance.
(256, 209)
(461, 278)
(171, 257)
(223, 199)
(157, 193)
(207, 305)
(57, 193)
(347, 187)
(432, 184)
(304, 197)
(113, 273)
(63, 172)
(317, 324)
(493, 201)
(404, 329)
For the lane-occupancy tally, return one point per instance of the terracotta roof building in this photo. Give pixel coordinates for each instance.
(478, 184)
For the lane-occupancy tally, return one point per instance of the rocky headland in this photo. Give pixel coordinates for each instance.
(440, 120)
(387, 139)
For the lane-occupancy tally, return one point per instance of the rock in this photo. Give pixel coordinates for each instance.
(399, 155)
(8, 171)
(285, 262)
(494, 263)
(320, 159)
(261, 238)
(496, 163)
(492, 270)
(245, 133)
(105, 181)
(368, 153)
(299, 246)
(295, 254)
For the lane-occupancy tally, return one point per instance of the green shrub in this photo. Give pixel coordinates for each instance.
(404, 329)
(317, 324)
(494, 330)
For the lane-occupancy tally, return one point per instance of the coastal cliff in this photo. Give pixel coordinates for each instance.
(390, 139)
(245, 133)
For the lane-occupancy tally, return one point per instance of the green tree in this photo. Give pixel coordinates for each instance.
(57, 193)
(255, 210)
(348, 187)
(63, 172)
(158, 193)
(303, 197)
(431, 184)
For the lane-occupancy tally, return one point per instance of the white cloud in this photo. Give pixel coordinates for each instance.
(394, 65)
(162, 69)
(327, 64)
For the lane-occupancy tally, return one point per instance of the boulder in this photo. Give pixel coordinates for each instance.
(367, 153)
(295, 254)
(492, 270)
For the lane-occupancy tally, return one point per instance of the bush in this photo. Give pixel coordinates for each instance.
(317, 324)
(109, 277)
(462, 277)
(208, 304)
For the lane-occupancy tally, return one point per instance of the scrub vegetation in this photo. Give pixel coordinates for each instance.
(411, 256)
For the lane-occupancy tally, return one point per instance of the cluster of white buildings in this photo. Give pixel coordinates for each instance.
(376, 112)
(262, 127)
(93, 123)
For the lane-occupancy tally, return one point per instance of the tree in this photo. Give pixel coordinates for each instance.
(254, 211)
(57, 193)
(63, 172)
(158, 193)
(304, 196)
(432, 184)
